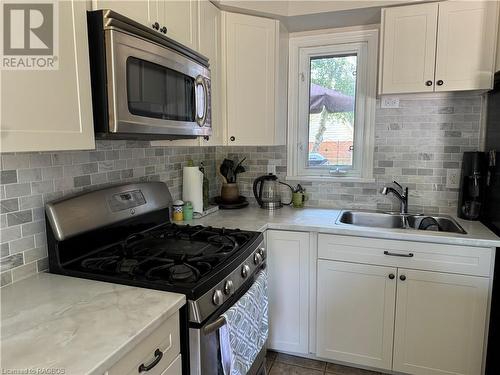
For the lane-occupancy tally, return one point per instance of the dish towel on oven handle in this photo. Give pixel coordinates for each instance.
(246, 328)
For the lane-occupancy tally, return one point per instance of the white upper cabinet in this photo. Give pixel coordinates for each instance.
(52, 109)
(143, 11)
(466, 45)
(440, 323)
(408, 48)
(442, 46)
(181, 20)
(252, 67)
(179, 17)
(355, 313)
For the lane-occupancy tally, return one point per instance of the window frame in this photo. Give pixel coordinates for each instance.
(361, 41)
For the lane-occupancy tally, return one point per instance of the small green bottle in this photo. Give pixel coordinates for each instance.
(188, 211)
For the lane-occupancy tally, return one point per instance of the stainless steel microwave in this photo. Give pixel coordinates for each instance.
(144, 84)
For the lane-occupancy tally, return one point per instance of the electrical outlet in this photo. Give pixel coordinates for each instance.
(389, 102)
(452, 178)
(271, 168)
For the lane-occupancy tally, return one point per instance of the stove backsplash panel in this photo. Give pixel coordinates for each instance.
(29, 180)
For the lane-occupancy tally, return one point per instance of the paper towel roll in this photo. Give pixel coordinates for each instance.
(192, 187)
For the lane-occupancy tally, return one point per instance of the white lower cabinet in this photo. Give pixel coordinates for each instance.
(410, 307)
(355, 313)
(157, 354)
(400, 306)
(175, 367)
(288, 270)
(440, 323)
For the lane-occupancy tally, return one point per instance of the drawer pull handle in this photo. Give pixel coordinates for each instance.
(158, 357)
(409, 255)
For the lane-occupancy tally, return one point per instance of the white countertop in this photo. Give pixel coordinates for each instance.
(323, 220)
(81, 326)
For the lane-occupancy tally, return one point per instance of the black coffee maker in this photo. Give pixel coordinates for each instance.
(472, 185)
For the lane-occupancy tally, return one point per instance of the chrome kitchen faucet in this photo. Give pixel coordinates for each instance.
(401, 195)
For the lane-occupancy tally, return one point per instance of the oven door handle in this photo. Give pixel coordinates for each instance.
(214, 326)
(200, 120)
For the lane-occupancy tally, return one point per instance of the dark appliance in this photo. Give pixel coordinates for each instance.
(490, 216)
(122, 234)
(472, 185)
(144, 84)
(266, 190)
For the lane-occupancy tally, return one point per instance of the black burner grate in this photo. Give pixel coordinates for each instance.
(170, 254)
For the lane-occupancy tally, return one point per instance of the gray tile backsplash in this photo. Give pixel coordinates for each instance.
(29, 180)
(416, 144)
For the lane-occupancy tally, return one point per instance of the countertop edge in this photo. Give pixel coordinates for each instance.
(478, 235)
(380, 234)
(114, 357)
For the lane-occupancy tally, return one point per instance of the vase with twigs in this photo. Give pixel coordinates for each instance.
(229, 171)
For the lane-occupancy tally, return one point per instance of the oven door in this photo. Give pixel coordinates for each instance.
(204, 343)
(154, 90)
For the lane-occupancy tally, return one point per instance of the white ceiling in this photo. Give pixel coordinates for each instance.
(303, 15)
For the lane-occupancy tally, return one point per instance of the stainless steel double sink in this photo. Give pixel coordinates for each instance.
(394, 220)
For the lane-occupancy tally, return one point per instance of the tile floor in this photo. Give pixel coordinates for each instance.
(284, 364)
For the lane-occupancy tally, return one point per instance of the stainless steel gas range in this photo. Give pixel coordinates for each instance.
(122, 234)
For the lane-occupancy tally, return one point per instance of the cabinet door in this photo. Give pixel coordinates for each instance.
(143, 11)
(175, 367)
(440, 323)
(408, 48)
(466, 45)
(250, 63)
(181, 19)
(355, 313)
(288, 265)
(52, 109)
(209, 40)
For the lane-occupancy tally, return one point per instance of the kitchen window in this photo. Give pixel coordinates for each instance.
(332, 105)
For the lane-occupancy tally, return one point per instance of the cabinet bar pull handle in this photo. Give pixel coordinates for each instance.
(409, 255)
(158, 357)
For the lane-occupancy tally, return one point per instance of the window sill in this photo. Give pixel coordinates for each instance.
(330, 179)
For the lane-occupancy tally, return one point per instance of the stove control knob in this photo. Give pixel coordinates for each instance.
(257, 259)
(218, 298)
(262, 252)
(228, 287)
(244, 271)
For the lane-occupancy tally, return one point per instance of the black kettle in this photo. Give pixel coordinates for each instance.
(266, 190)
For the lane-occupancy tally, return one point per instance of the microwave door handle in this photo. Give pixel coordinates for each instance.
(201, 120)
